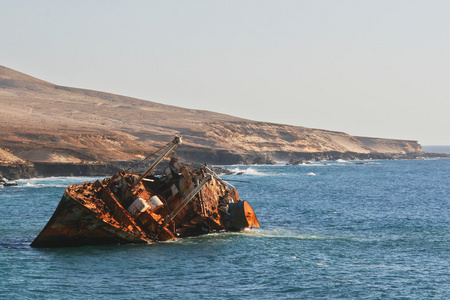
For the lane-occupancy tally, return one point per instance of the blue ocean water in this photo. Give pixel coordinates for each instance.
(378, 230)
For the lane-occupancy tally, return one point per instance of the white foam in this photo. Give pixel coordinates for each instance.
(278, 233)
(248, 171)
(341, 160)
(42, 185)
(52, 181)
(311, 174)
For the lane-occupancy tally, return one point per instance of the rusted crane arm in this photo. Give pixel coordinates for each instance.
(191, 196)
(170, 146)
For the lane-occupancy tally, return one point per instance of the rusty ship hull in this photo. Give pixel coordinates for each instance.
(73, 224)
(145, 208)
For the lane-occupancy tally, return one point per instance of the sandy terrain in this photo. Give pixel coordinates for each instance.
(43, 122)
(8, 158)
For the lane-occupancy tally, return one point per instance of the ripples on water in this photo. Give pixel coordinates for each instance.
(376, 230)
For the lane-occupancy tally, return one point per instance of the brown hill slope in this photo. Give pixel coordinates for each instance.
(43, 122)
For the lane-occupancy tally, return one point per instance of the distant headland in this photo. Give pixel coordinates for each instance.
(51, 130)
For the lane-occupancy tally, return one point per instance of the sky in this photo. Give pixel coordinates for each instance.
(367, 68)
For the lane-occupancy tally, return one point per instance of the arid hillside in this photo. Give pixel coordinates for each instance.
(43, 122)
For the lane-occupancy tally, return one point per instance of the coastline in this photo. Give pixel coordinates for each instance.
(14, 171)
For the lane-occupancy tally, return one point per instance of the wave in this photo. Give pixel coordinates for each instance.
(278, 233)
(248, 171)
(51, 181)
(41, 185)
(282, 162)
(341, 160)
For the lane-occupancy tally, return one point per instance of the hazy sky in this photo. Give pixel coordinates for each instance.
(370, 68)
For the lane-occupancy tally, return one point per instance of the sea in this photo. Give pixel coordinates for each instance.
(375, 229)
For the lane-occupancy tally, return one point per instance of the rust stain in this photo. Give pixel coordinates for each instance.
(132, 208)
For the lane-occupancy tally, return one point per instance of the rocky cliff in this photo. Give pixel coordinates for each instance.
(45, 123)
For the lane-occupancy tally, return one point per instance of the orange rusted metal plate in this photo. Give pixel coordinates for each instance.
(250, 215)
(190, 202)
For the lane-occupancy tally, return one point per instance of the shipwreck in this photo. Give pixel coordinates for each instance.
(144, 208)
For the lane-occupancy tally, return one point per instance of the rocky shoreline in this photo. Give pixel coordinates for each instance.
(47, 169)
(51, 130)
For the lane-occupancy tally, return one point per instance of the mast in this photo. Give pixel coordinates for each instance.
(169, 148)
